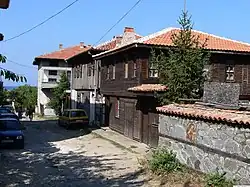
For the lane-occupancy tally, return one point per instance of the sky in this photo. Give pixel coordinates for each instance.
(88, 20)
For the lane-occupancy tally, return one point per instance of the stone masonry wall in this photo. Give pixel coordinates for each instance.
(208, 146)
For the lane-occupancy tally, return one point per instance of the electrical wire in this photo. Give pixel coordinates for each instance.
(119, 20)
(26, 66)
(43, 22)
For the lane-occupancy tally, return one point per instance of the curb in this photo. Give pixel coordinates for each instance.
(116, 143)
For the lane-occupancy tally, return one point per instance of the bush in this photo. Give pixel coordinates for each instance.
(218, 180)
(164, 161)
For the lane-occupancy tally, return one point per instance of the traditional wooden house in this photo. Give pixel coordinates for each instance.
(128, 81)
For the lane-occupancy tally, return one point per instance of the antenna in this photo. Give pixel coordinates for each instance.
(184, 6)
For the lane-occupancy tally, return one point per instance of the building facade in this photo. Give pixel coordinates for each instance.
(48, 78)
(129, 80)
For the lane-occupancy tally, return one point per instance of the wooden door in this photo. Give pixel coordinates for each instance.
(129, 120)
(145, 127)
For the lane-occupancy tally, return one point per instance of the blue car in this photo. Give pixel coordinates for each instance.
(11, 133)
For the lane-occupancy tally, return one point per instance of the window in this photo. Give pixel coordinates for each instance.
(113, 77)
(229, 72)
(89, 70)
(52, 80)
(78, 114)
(52, 72)
(75, 72)
(153, 71)
(134, 69)
(80, 69)
(126, 71)
(108, 72)
(117, 108)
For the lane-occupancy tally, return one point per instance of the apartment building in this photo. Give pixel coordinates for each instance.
(50, 68)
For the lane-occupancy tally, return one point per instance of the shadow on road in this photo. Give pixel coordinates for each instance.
(41, 164)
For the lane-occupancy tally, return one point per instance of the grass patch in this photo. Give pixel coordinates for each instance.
(166, 170)
(218, 180)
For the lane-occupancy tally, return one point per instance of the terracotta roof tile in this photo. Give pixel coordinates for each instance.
(111, 44)
(148, 88)
(163, 38)
(205, 113)
(65, 53)
(214, 42)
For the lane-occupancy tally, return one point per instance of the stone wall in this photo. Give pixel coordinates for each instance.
(208, 146)
(223, 93)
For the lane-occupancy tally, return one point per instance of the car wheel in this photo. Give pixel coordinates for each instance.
(21, 145)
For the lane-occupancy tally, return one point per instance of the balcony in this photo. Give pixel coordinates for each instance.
(49, 84)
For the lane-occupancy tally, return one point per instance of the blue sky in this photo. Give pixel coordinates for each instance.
(88, 20)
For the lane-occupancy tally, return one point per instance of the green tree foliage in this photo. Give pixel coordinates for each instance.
(59, 93)
(182, 69)
(24, 97)
(9, 75)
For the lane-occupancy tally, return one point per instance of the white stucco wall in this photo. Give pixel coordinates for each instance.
(44, 95)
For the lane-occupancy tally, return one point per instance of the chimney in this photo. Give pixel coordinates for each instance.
(81, 44)
(118, 40)
(129, 29)
(60, 46)
(89, 45)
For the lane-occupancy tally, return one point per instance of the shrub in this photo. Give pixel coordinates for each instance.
(164, 161)
(218, 180)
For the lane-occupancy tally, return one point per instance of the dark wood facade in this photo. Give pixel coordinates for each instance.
(129, 113)
(233, 68)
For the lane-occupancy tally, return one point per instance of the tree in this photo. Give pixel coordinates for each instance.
(182, 68)
(24, 97)
(59, 93)
(9, 75)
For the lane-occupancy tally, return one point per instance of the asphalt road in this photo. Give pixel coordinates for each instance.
(55, 157)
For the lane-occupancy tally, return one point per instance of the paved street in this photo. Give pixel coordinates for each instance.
(57, 157)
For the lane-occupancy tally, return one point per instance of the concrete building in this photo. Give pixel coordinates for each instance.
(50, 68)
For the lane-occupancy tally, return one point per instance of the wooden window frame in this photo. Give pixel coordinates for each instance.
(230, 72)
(108, 73)
(153, 71)
(117, 108)
(134, 69)
(113, 71)
(89, 70)
(126, 70)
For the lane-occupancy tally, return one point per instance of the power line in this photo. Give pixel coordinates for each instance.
(23, 65)
(119, 20)
(43, 22)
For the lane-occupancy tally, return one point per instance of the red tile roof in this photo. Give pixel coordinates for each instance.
(214, 42)
(148, 88)
(112, 43)
(206, 113)
(163, 38)
(65, 53)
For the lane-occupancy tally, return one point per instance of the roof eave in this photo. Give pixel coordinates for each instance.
(112, 52)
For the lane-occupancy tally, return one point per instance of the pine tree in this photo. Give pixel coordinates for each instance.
(59, 93)
(182, 68)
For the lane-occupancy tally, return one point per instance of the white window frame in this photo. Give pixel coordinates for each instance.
(126, 70)
(113, 72)
(230, 73)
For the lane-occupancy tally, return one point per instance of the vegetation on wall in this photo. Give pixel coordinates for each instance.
(59, 94)
(182, 69)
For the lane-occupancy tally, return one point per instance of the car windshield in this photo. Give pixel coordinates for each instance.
(78, 114)
(9, 125)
